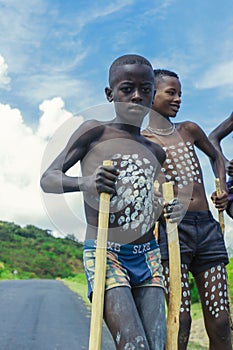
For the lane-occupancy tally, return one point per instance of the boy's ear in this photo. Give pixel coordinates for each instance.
(153, 97)
(109, 94)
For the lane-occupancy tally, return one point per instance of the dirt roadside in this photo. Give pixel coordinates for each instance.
(198, 334)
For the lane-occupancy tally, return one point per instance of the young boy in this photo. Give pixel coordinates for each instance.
(216, 136)
(202, 246)
(134, 297)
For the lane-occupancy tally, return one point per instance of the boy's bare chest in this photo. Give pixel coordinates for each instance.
(123, 152)
(181, 165)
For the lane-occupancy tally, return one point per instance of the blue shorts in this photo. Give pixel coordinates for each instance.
(131, 265)
(201, 242)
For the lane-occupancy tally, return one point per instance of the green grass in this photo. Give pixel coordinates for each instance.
(196, 346)
(78, 284)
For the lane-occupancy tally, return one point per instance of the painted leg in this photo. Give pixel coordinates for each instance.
(185, 317)
(212, 286)
(123, 320)
(151, 308)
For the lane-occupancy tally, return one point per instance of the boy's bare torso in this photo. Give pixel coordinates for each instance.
(132, 206)
(182, 166)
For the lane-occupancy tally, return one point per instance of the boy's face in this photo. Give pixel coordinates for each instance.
(133, 86)
(167, 98)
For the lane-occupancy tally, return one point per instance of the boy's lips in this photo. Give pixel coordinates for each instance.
(136, 107)
(175, 107)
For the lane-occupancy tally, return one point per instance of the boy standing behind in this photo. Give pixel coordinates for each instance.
(202, 246)
(134, 296)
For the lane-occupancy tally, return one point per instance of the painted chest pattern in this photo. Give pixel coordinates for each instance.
(132, 208)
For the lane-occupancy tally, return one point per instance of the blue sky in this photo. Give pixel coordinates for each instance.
(54, 60)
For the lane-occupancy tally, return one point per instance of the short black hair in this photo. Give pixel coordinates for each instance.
(127, 59)
(160, 73)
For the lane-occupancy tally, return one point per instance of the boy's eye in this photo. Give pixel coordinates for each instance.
(171, 93)
(126, 89)
(146, 90)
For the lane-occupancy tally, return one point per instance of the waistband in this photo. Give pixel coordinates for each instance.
(198, 215)
(124, 249)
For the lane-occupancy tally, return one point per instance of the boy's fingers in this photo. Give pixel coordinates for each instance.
(173, 210)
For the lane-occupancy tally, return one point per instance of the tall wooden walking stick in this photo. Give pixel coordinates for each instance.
(156, 229)
(95, 340)
(175, 276)
(220, 213)
(222, 225)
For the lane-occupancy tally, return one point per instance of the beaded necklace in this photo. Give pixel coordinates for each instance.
(163, 132)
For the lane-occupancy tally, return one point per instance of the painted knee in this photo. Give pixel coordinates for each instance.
(220, 330)
(137, 344)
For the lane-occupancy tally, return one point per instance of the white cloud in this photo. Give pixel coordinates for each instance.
(53, 116)
(22, 28)
(4, 78)
(21, 153)
(218, 75)
(96, 12)
(46, 86)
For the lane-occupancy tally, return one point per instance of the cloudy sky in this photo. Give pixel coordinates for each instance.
(54, 60)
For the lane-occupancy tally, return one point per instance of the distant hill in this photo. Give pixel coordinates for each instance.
(30, 252)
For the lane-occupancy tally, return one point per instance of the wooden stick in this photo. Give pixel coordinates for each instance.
(95, 340)
(175, 276)
(156, 229)
(220, 213)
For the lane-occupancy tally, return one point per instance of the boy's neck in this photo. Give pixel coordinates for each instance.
(160, 125)
(133, 129)
(159, 121)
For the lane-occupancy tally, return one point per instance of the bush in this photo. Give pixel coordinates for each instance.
(193, 290)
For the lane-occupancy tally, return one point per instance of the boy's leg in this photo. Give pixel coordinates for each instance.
(151, 308)
(212, 286)
(123, 319)
(185, 317)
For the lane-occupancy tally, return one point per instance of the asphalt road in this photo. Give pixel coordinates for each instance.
(44, 315)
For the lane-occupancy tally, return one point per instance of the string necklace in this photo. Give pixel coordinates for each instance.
(163, 132)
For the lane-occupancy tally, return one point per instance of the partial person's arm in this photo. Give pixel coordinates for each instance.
(217, 163)
(216, 136)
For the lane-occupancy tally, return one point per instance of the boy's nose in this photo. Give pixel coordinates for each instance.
(177, 99)
(136, 96)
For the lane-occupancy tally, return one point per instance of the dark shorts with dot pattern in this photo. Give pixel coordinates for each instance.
(201, 242)
(131, 265)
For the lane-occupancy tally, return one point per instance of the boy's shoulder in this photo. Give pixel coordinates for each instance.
(91, 124)
(154, 147)
(188, 127)
(91, 128)
(187, 124)
(86, 133)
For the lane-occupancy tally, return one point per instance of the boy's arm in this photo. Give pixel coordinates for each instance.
(55, 179)
(217, 163)
(221, 131)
